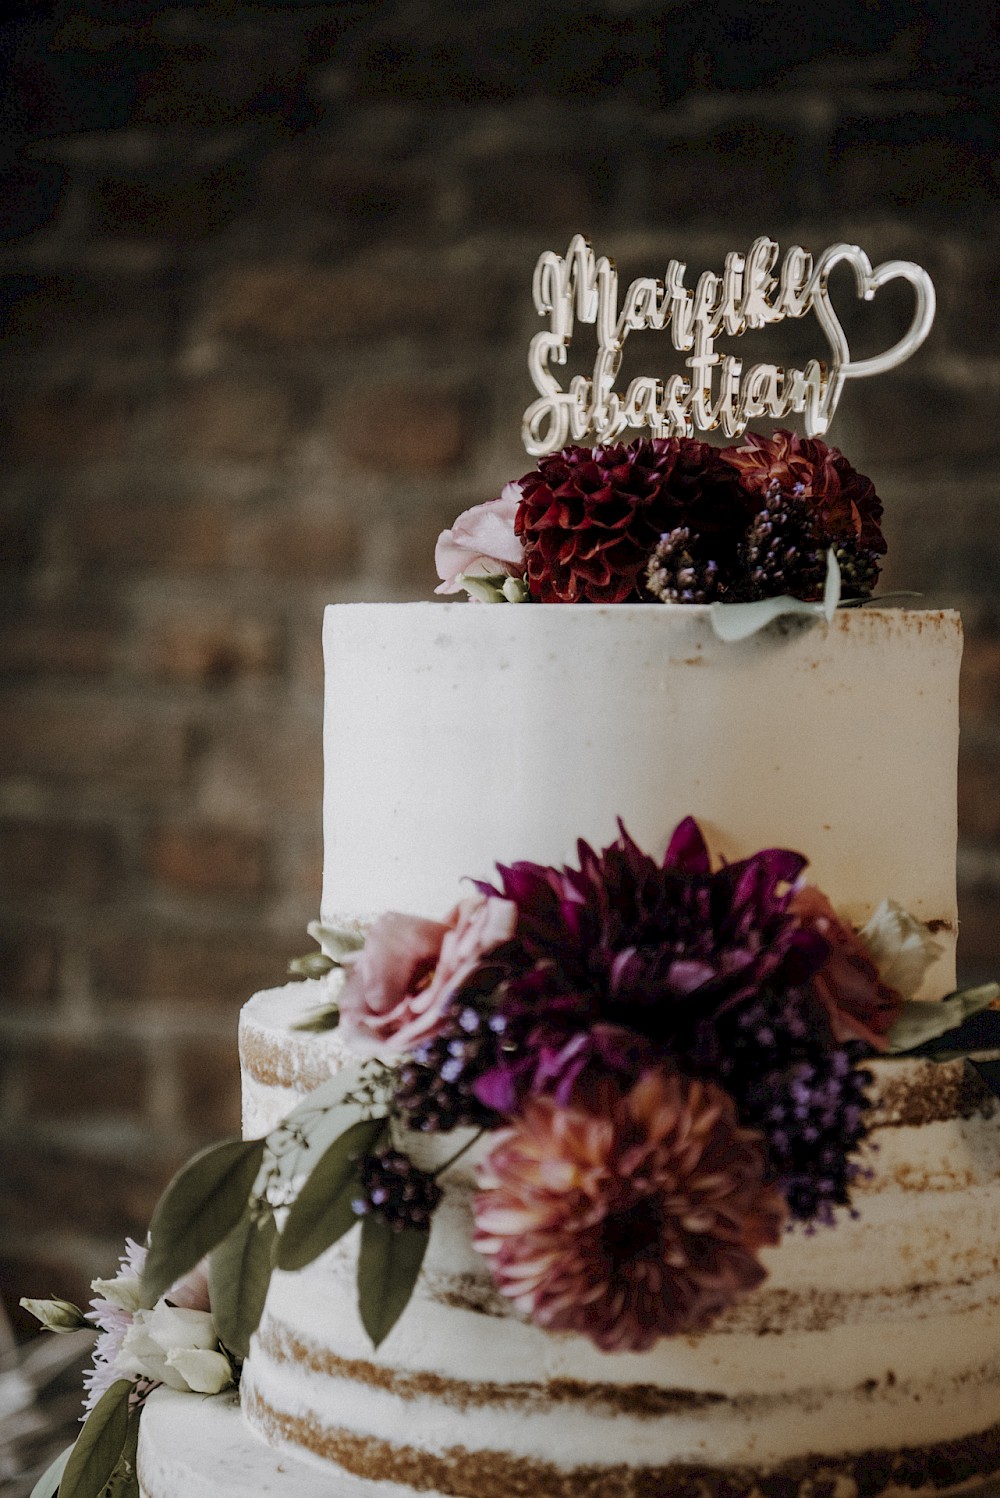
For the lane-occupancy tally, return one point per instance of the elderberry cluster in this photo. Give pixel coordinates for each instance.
(786, 546)
(397, 1191)
(813, 1117)
(808, 1098)
(434, 1090)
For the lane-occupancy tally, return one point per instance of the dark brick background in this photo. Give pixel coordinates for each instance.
(265, 278)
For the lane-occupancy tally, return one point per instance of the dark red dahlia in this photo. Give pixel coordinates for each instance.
(625, 965)
(804, 498)
(624, 961)
(590, 518)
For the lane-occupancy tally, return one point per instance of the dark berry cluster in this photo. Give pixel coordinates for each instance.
(813, 1116)
(680, 572)
(397, 1191)
(808, 1098)
(434, 1090)
(784, 551)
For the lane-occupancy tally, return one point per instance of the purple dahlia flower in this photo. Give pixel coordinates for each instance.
(625, 961)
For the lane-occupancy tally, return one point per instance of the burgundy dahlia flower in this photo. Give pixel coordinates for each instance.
(627, 1216)
(590, 518)
(624, 961)
(804, 498)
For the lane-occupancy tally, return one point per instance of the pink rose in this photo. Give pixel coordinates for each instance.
(481, 543)
(860, 1005)
(397, 991)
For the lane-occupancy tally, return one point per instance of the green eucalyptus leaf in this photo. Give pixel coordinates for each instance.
(239, 1272)
(738, 621)
(99, 1445)
(831, 586)
(319, 1021)
(340, 943)
(47, 1485)
(322, 1100)
(312, 965)
(733, 622)
(322, 1211)
(203, 1202)
(921, 1020)
(125, 1478)
(388, 1265)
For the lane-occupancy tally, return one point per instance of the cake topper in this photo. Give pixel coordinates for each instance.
(751, 292)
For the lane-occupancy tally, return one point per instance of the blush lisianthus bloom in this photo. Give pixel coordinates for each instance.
(174, 1342)
(859, 1003)
(629, 1216)
(398, 988)
(481, 543)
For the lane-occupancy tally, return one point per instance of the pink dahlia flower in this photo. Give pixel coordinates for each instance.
(398, 990)
(861, 1006)
(481, 543)
(630, 1217)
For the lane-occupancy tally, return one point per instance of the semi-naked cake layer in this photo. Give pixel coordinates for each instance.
(868, 1361)
(458, 735)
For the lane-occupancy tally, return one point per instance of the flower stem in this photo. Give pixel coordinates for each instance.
(458, 1154)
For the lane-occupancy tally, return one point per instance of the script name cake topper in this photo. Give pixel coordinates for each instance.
(752, 291)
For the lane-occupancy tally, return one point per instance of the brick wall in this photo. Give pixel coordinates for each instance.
(265, 276)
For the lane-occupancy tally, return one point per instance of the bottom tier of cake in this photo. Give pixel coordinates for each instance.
(191, 1447)
(201, 1448)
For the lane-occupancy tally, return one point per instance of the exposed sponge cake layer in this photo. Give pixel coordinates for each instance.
(879, 1334)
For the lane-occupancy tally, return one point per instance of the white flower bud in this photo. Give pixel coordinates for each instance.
(901, 947)
(56, 1315)
(515, 590)
(204, 1372)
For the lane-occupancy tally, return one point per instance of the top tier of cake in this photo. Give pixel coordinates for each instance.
(459, 735)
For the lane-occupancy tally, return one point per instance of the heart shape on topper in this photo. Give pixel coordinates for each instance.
(867, 281)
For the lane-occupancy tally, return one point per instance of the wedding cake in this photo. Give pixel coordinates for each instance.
(867, 1360)
(627, 1137)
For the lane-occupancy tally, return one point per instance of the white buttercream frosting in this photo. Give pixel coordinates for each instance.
(460, 735)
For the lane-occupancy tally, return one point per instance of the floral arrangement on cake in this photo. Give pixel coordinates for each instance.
(661, 1064)
(667, 1061)
(672, 520)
